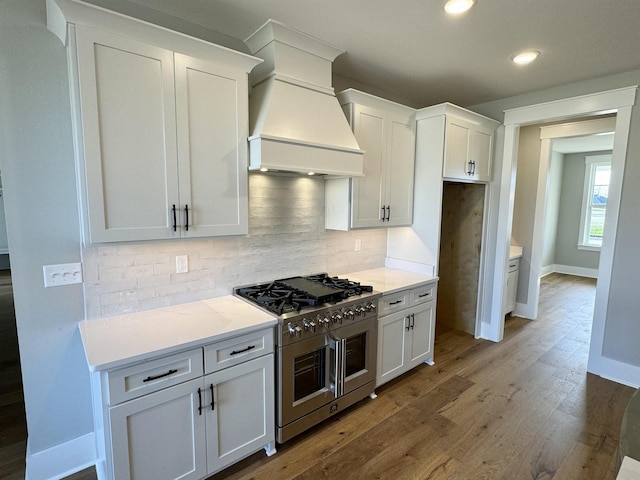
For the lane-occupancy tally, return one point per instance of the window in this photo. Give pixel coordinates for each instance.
(594, 201)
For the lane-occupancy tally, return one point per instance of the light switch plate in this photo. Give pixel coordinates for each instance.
(63, 274)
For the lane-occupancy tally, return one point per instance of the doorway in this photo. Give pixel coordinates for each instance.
(618, 101)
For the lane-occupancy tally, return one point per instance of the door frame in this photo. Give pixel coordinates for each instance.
(619, 101)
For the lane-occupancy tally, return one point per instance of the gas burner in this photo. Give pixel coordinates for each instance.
(351, 288)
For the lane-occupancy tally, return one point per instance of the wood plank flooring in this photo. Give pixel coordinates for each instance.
(523, 408)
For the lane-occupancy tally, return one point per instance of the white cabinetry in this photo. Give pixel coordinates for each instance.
(511, 287)
(383, 197)
(161, 124)
(406, 327)
(468, 142)
(185, 416)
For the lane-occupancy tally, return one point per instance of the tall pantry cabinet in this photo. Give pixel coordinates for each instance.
(161, 122)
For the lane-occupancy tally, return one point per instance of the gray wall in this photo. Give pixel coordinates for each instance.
(36, 157)
(552, 210)
(622, 335)
(567, 252)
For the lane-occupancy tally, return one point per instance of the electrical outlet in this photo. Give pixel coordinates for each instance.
(63, 274)
(358, 246)
(182, 264)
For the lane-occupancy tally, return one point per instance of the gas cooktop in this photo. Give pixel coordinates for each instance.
(290, 295)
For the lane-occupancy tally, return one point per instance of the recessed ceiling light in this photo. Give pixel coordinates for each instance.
(523, 58)
(311, 173)
(263, 169)
(458, 6)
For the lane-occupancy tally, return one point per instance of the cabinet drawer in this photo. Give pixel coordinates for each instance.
(237, 350)
(513, 265)
(143, 378)
(422, 294)
(393, 302)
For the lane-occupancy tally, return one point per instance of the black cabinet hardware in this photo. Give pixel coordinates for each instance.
(408, 318)
(383, 215)
(186, 217)
(236, 352)
(396, 302)
(199, 401)
(388, 212)
(173, 209)
(424, 295)
(155, 377)
(213, 405)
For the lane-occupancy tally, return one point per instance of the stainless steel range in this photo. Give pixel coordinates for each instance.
(326, 346)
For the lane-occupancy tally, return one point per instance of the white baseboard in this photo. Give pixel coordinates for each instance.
(569, 270)
(414, 267)
(615, 371)
(62, 460)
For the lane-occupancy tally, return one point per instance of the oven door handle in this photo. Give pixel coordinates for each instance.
(340, 350)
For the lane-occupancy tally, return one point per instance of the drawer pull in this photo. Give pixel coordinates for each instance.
(511, 266)
(424, 295)
(396, 302)
(236, 352)
(155, 377)
(199, 401)
(213, 405)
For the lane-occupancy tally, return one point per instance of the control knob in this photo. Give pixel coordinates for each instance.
(371, 307)
(360, 310)
(322, 320)
(294, 329)
(336, 317)
(347, 313)
(309, 325)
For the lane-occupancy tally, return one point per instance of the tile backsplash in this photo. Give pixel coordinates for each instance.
(286, 237)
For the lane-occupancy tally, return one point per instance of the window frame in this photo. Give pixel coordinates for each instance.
(591, 163)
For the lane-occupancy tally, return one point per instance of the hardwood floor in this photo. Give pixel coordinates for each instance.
(523, 408)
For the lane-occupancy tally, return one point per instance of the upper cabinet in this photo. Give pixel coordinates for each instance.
(161, 125)
(468, 142)
(383, 197)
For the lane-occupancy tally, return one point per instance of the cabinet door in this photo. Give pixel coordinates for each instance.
(422, 333)
(160, 435)
(399, 172)
(392, 331)
(511, 291)
(481, 152)
(126, 92)
(212, 148)
(240, 421)
(369, 129)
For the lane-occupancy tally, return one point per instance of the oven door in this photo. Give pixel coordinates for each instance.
(355, 355)
(318, 370)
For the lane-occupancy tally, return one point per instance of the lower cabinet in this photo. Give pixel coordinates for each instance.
(405, 331)
(511, 287)
(196, 427)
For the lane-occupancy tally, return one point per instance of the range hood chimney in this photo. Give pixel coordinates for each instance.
(295, 121)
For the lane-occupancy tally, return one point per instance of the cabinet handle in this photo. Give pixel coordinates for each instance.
(424, 295)
(173, 209)
(473, 165)
(236, 352)
(155, 377)
(383, 207)
(511, 266)
(408, 318)
(199, 401)
(186, 218)
(413, 320)
(213, 405)
(396, 302)
(388, 212)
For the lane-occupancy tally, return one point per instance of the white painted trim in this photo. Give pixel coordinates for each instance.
(621, 101)
(597, 361)
(617, 371)
(547, 270)
(577, 271)
(590, 104)
(408, 266)
(580, 128)
(61, 460)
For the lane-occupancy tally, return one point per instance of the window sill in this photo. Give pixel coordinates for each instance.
(590, 248)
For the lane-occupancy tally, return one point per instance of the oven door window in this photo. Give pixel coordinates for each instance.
(309, 374)
(356, 354)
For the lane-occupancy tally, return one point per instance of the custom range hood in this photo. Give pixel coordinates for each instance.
(295, 121)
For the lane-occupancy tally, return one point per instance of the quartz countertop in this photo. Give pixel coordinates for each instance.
(515, 252)
(390, 280)
(116, 341)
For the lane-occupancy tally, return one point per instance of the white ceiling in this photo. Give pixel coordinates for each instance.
(588, 143)
(421, 56)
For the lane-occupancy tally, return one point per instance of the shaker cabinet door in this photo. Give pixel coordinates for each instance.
(126, 93)
(400, 166)
(423, 321)
(160, 435)
(212, 150)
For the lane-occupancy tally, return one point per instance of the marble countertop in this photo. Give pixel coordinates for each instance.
(390, 280)
(116, 341)
(515, 252)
